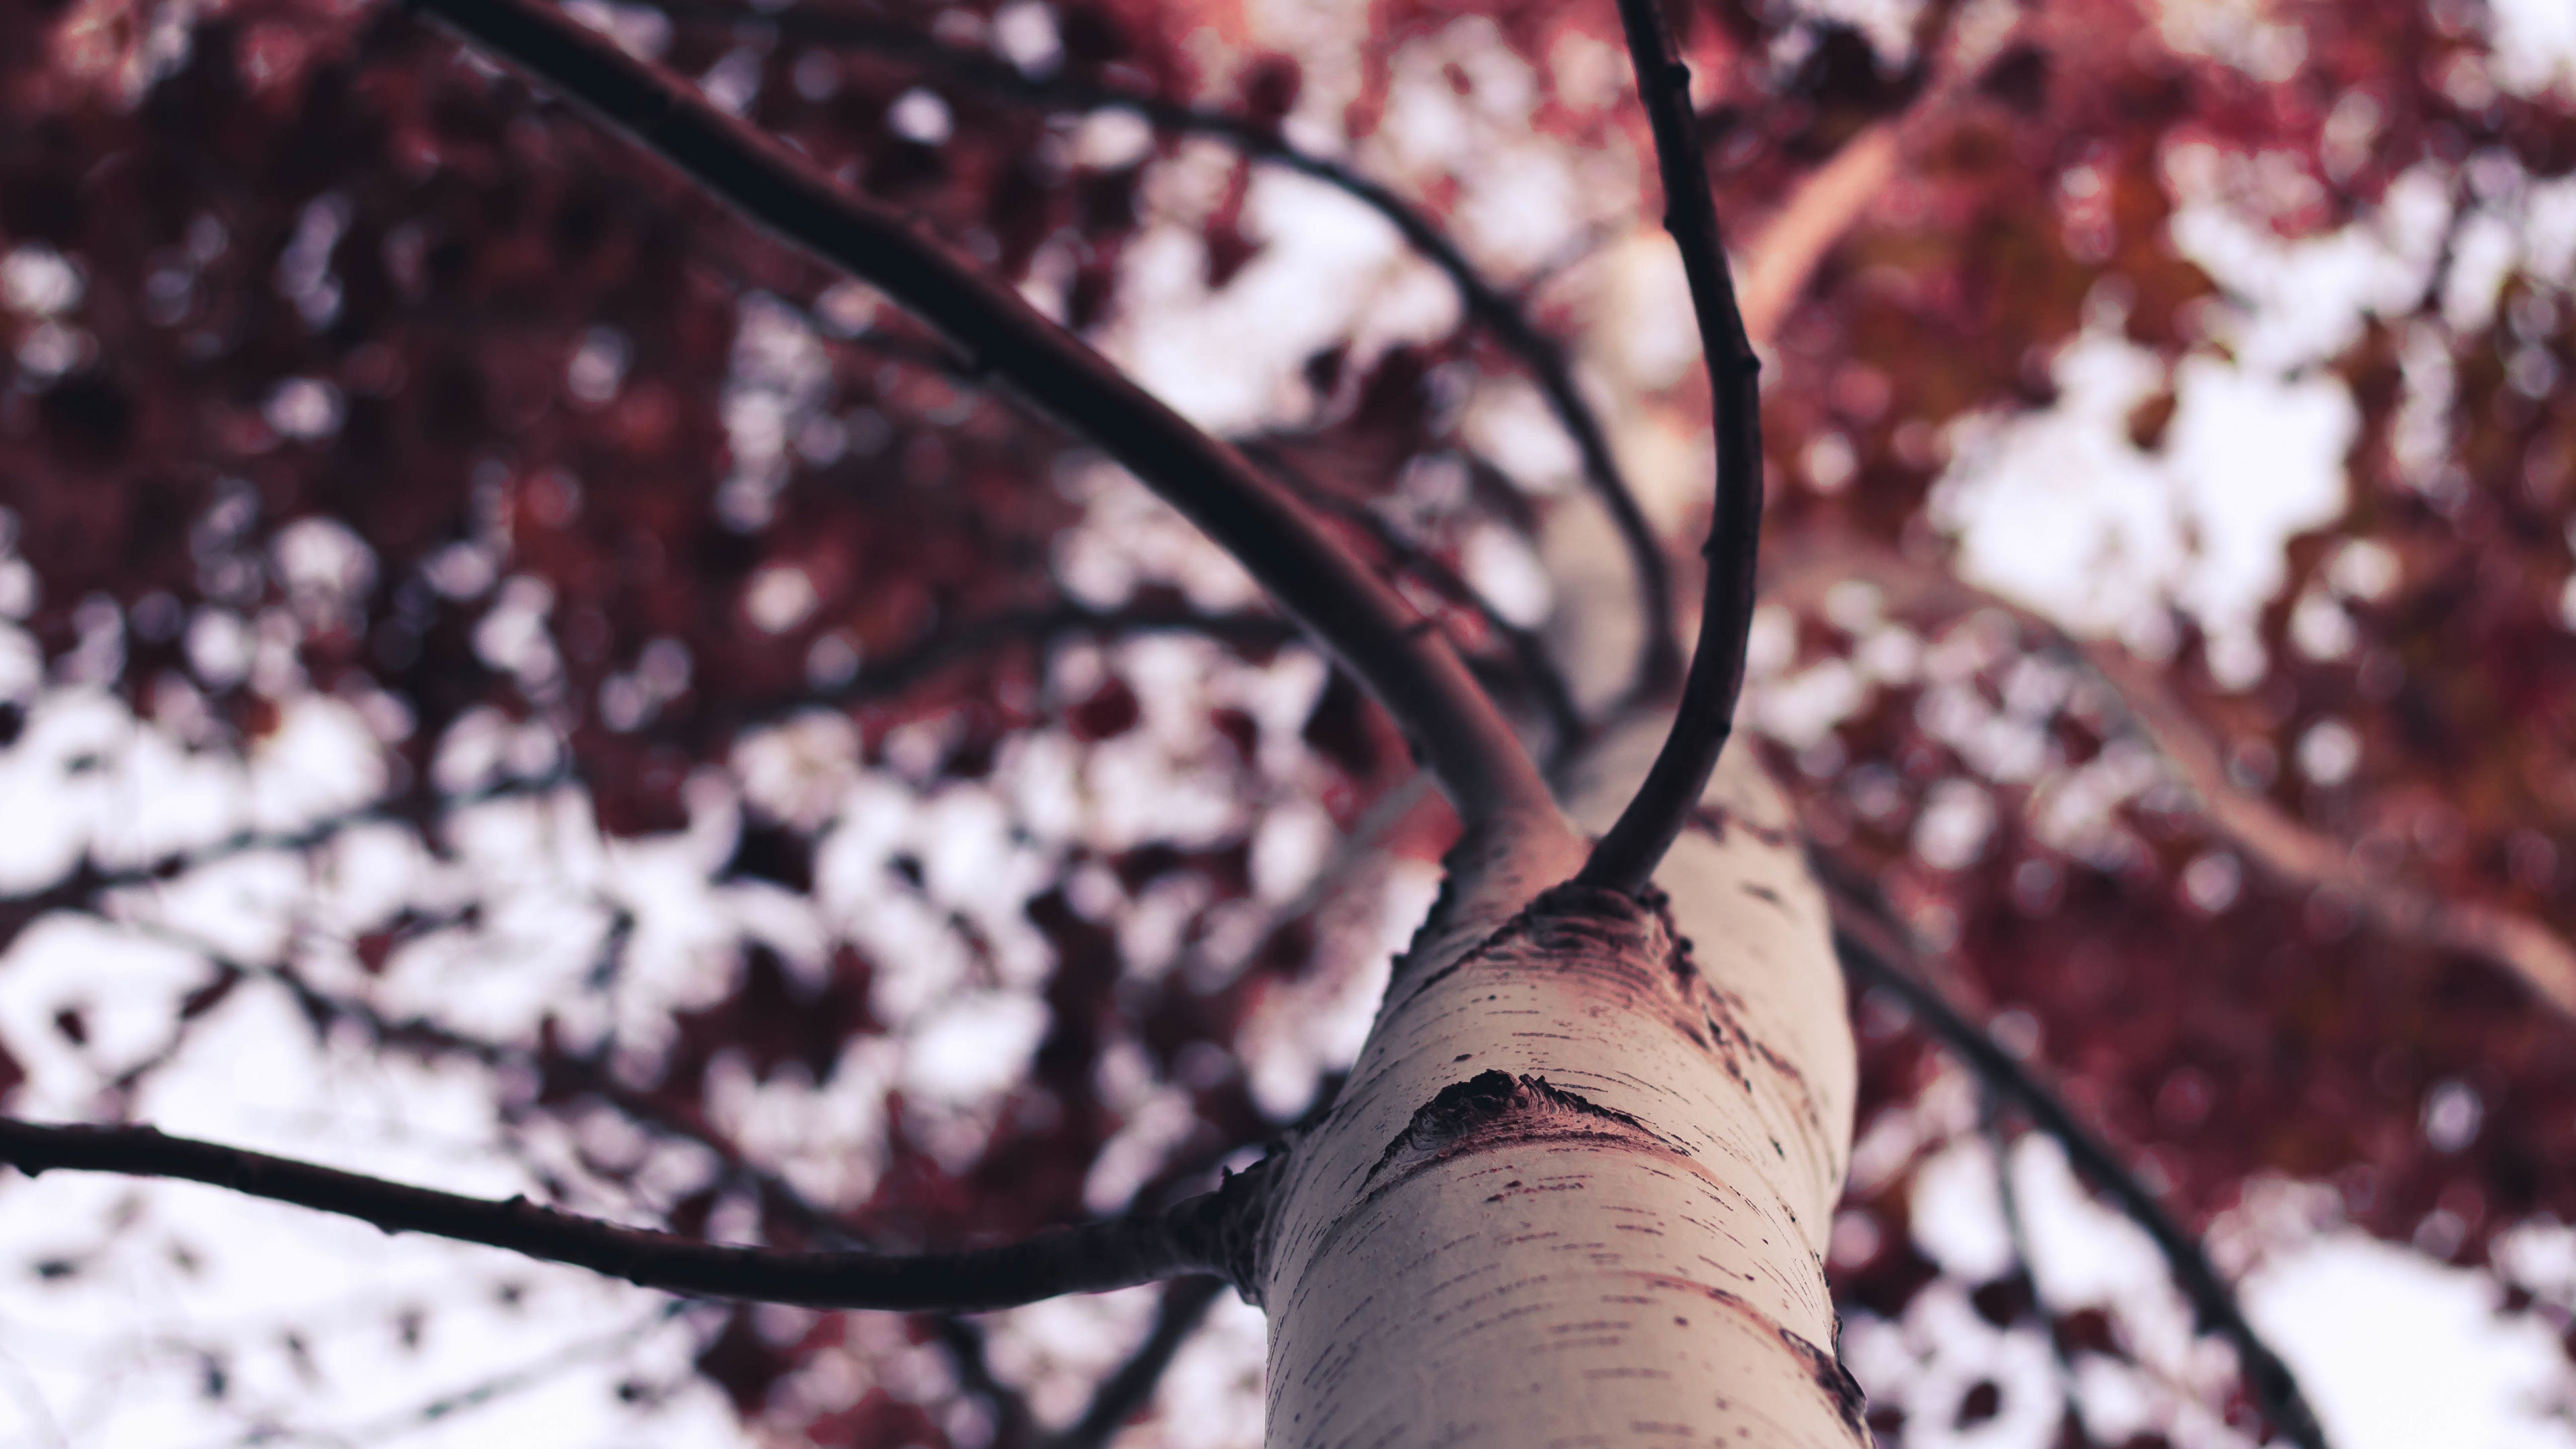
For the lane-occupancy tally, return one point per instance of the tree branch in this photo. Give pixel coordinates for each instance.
(1461, 735)
(1877, 951)
(967, 1352)
(1040, 627)
(1636, 843)
(1485, 304)
(1119, 1396)
(1836, 195)
(1539, 674)
(1198, 1235)
(2288, 850)
(2070, 1387)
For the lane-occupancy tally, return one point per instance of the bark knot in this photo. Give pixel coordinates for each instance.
(1492, 1108)
(1228, 1228)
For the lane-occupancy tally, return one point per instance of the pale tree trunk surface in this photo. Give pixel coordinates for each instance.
(1579, 1185)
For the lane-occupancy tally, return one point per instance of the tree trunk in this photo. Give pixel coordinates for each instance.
(1579, 1185)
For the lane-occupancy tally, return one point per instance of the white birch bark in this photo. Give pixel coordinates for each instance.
(1579, 1184)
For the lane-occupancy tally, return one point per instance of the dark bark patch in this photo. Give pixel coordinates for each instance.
(1493, 1109)
(1567, 928)
(1836, 1381)
(1822, 1367)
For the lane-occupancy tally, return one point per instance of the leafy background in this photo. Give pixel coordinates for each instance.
(517, 681)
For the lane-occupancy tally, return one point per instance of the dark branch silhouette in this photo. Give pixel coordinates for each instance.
(1198, 1235)
(1539, 675)
(1120, 1396)
(1878, 952)
(1463, 738)
(967, 1353)
(1485, 304)
(1636, 843)
(1042, 627)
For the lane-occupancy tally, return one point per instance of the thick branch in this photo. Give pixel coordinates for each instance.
(1876, 951)
(1485, 304)
(1190, 1237)
(1636, 843)
(1462, 737)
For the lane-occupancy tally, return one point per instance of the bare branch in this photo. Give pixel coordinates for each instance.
(2070, 1386)
(1539, 674)
(1131, 1387)
(1040, 627)
(1198, 1235)
(1486, 304)
(1877, 951)
(2288, 850)
(964, 1340)
(1636, 843)
(1462, 737)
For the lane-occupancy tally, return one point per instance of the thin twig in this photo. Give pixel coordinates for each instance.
(516, 1379)
(964, 1340)
(1043, 626)
(1878, 951)
(2074, 1434)
(1539, 674)
(1119, 1396)
(1462, 736)
(1193, 1236)
(590, 1074)
(1636, 843)
(1499, 312)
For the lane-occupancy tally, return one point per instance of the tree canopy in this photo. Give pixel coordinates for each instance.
(517, 677)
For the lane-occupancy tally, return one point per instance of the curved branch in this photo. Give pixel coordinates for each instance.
(1462, 736)
(1194, 1236)
(2280, 845)
(1876, 951)
(1485, 304)
(1636, 843)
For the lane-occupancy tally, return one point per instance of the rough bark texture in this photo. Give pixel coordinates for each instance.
(1578, 1187)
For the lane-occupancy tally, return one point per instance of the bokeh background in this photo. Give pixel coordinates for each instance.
(517, 682)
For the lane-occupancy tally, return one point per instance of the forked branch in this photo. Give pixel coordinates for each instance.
(1202, 1235)
(1462, 737)
(1877, 951)
(1636, 842)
